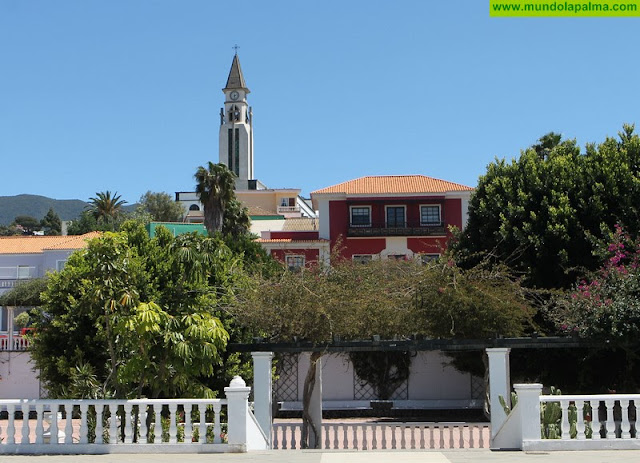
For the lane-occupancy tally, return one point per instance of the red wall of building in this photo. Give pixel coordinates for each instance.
(427, 245)
(338, 220)
(453, 212)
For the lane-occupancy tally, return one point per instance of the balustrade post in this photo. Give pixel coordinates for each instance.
(499, 385)
(237, 409)
(262, 391)
(529, 405)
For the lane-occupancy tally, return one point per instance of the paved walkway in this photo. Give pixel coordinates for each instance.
(310, 456)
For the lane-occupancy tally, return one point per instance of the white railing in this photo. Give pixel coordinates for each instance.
(17, 272)
(285, 209)
(381, 436)
(39, 426)
(586, 422)
(15, 342)
(104, 424)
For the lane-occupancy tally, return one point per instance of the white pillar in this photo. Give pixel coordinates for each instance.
(315, 407)
(499, 385)
(262, 391)
(237, 410)
(529, 405)
(10, 341)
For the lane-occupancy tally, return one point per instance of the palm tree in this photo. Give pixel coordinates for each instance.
(105, 207)
(215, 187)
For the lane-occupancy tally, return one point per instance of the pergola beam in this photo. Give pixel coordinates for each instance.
(445, 345)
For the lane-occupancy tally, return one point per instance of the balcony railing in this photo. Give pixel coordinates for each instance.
(285, 209)
(397, 229)
(13, 343)
(17, 272)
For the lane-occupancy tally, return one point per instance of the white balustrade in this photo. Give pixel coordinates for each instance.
(99, 426)
(611, 416)
(382, 436)
(587, 422)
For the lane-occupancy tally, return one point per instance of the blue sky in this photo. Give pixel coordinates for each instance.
(125, 94)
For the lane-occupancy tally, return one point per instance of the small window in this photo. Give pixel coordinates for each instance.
(430, 215)
(194, 207)
(426, 258)
(362, 258)
(294, 263)
(361, 216)
(397, 256)
(60, 265)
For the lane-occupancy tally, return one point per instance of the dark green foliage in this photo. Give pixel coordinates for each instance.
(141, 312)
(25, 294)
(29, 224)
(214, 186)
(254, 257)
(51, 223)
(236, 218)
(544, 213)
(86, 222)
(161, 207)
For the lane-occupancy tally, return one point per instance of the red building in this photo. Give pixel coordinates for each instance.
(395, 216)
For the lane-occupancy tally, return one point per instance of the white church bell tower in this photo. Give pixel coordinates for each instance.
(236, 128)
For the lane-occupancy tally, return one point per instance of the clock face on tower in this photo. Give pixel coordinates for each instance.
(234, 95)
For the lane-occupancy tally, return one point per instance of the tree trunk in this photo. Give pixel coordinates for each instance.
(309, 431)
(487, 398)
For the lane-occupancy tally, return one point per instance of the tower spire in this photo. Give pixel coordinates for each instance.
(236, 79)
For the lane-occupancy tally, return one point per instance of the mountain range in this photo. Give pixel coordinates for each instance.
(38, 206)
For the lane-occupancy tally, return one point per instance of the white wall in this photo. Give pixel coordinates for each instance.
(431, 378)
(18, 380)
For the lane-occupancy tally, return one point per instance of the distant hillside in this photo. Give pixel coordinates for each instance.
(38, 206)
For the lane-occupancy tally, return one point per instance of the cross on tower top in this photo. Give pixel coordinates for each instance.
(235, 47)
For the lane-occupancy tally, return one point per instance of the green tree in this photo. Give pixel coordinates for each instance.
(386, 298)
(543, 214)
(236, 219)
(24, 294)
(87, 222)
(27, 223)
(10, 230)
(137, 313)
(214, 185)
(161, 207)
(51, 223)
(105, 207)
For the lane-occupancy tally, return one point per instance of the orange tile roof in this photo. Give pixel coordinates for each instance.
(389, 184)
(37, 244)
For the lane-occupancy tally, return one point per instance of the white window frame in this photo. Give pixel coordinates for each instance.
(294, 256)
(431, 224)
(351, 224)
(356, 257)
(386, 217)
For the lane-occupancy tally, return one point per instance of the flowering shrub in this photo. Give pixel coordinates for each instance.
(607, 306)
